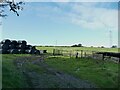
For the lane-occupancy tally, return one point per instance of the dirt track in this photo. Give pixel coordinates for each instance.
(51, 78)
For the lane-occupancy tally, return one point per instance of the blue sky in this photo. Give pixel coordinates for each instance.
(68, 23)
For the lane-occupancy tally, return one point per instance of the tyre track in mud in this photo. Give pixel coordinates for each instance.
(51, 78)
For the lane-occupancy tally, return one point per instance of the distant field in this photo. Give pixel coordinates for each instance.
(50, 49)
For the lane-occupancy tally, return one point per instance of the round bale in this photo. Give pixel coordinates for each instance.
(14, 51)
(4, 46)
(0, 51)
(13, 46)
(33, 47)
(21, 51)
(28, 47)
(37, 52)
(22, 42)
(5, 41)
(5, 51)
(14, 42)
(21, 46)
(33, 51)
(28, 51)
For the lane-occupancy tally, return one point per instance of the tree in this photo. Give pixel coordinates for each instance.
(102, 47)
(14, 7)
(79, 45)
(74, 45)
(114, 46)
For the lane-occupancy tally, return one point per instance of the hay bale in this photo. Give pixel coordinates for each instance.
(5, 41)
(3, 51)
(21, 46)
(0, 46)
(28, 51)
(19, 42)
(4, 46)
(28, 47)
(0, 51)
(37, 52)
(13, 46)
(22, 42)
(33, 47)
(14, 42)
(33, 51)
(14, 51)
(21, 51)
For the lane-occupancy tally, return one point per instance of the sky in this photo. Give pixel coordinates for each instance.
(63, 23)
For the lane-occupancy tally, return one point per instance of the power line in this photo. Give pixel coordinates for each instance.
(110, 38)
(110, 34)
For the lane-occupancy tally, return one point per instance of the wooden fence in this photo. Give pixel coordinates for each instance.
(85, 54)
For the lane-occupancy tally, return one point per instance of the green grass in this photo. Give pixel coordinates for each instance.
(50, 49)
(11, 76)
(35, 68)
(0, 71)
(104, 74)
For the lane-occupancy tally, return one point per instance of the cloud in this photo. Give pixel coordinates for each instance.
(69, 0)
(92, 17)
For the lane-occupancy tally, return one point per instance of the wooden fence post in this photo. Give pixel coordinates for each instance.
(85, 54)
(81, 53)
(70, 54)
(54, 52)
(92, 54)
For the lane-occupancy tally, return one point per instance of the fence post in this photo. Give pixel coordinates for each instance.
(77, 55)
(54, 52)
(70, 54)
(81, 53)
(93, 54)
(85, 54)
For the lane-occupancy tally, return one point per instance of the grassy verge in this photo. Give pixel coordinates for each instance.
(11, 76)
(104, 74)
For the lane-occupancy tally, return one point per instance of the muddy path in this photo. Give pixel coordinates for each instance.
(49, 77)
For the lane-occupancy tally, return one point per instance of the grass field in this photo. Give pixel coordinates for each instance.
(103, 74)
(11, 76)
(50, 49)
